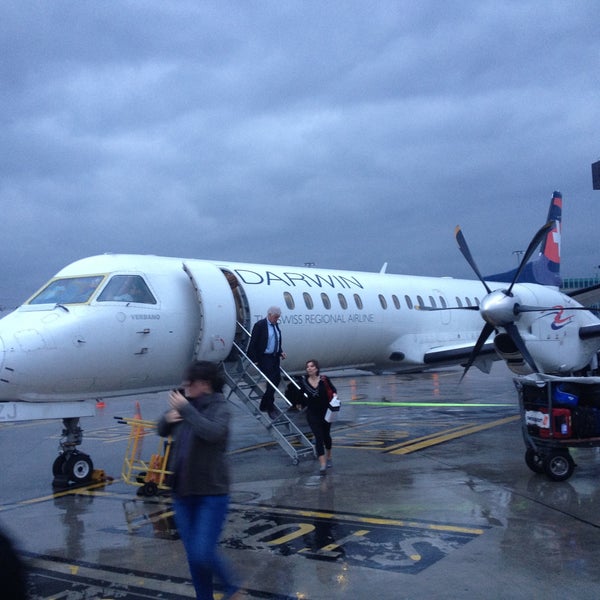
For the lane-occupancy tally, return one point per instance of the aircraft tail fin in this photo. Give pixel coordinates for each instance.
(545, 269)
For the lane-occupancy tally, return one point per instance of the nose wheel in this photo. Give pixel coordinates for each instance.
(71, 465)
(77, 467)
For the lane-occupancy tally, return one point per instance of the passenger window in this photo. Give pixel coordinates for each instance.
(408, 301)
(396, 301)
(343, 302)
(289, 300)
(458, 302)
(420, 301)
(358, 301)
(468, 302)
(477, 300)
(443, 302)
(433, 304)
(326, 301)
(127, 288)
(71, 290)
(382, 301)
(308, 300)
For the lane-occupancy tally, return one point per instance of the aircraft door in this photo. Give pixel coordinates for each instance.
(217, 311)
(241, 307)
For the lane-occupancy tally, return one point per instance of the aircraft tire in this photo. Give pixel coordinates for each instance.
(58, 466)
(79, 467)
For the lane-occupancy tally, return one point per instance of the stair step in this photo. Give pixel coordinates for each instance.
(246, 387)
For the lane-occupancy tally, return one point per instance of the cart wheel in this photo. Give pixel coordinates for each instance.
(79, 467)
(534, 460)
(559, 465)
(149, 489)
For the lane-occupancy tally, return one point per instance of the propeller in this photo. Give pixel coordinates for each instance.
(523, 308)
(483, 336)
(464, 248)
(535, 242)
(499, 308)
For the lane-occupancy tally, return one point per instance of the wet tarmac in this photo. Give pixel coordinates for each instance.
(429, 497)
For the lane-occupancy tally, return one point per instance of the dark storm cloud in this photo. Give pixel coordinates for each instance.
(342, 133)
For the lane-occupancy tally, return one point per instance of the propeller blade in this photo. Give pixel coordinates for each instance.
(432, 309)
(481, 340)
(523, 308)
(535, 242)
(464, 248)
(515, 336)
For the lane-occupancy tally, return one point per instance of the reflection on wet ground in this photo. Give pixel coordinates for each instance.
(429, 496)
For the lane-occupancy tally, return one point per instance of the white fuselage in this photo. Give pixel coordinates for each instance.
(73, 351)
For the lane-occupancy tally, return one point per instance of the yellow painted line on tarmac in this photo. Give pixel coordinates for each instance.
(253, 447)
(452, 435)
(428, 437)
(91, 489)
(155, 587)
(365, 520)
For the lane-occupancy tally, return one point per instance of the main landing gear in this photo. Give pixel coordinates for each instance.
(71, 465)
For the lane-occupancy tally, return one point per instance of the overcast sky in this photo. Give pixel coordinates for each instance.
(342, 133)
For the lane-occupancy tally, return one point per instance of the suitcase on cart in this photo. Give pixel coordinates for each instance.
(558, 413)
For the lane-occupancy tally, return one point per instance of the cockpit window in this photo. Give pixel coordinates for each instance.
(69, 290)
(127, 288)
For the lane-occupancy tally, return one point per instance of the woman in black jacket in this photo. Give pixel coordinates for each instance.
(316, 391)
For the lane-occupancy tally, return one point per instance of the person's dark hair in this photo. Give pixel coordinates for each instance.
(314, 362)
(13, 576)
(203, 370)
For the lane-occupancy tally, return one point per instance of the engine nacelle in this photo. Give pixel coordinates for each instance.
(507, 350)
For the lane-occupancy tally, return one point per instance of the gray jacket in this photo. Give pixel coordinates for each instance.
(199, 459)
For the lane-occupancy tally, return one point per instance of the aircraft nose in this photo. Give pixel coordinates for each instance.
(2, 353)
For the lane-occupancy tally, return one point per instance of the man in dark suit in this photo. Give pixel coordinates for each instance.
(265, 350)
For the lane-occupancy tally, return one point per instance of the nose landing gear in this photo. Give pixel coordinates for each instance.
(71, 465)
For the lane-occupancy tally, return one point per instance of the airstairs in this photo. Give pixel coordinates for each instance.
(246, 381)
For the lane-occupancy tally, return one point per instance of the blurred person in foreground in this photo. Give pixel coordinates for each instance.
(13, 576)
(198, 419)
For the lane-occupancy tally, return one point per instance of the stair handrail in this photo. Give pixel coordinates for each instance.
(265, 378)
(285, 374)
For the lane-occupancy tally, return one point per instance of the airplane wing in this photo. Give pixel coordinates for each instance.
(586, 296)
(452, 354)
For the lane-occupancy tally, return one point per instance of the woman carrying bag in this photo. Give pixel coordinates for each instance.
(316, 391)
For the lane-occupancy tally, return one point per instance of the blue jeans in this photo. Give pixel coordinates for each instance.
(200, 521)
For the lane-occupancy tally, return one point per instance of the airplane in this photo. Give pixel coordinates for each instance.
(119, 325)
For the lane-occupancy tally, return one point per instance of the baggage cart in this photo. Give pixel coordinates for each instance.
(149, 475)
(558, 413)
